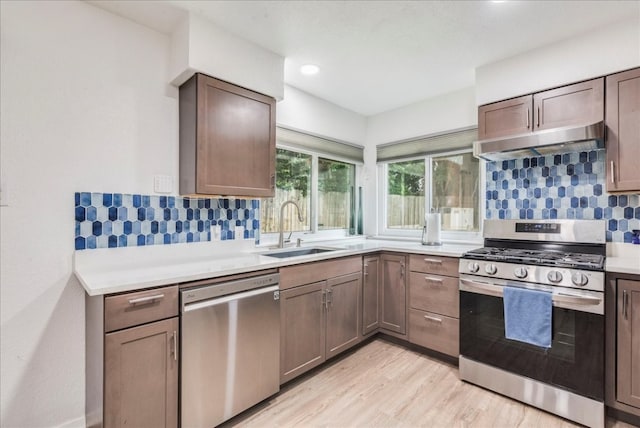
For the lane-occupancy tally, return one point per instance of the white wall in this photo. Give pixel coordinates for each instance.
(303, 111)
(445, 112)
(86, 106)
(603, 51)
(199, 45)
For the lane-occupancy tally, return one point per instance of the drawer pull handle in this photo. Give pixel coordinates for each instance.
(625, 304)
(434, 319)
(612, 169)
(436, 281)
(436, 261)
(174, 350)
(146, 299)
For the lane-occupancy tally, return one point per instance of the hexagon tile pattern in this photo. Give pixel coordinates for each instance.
(108, 220)
(563, 186)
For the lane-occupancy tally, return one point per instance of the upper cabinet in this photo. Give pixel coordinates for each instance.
(623, 131)
(575, 104)
(509, 117)
(227, 139)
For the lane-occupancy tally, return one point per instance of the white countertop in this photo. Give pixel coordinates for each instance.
(114, 270)
(623, 258)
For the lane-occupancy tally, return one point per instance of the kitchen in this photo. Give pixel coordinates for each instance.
(112, 126)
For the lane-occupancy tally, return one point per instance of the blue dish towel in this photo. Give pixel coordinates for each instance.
(527, 316)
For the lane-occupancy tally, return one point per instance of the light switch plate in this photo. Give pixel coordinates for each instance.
(162, 183)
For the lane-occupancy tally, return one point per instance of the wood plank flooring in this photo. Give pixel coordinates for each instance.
(386, 385)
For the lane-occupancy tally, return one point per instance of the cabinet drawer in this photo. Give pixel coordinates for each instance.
(434, 293)
(293, 276)
(434, 331)
(434, 264)
(126, 310)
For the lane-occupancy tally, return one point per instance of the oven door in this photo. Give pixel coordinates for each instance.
(575, 361)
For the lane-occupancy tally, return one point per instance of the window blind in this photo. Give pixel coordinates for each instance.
(301, 140)
(432, 144)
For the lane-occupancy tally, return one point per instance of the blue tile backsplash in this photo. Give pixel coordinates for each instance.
(563, 186)
(108, 220)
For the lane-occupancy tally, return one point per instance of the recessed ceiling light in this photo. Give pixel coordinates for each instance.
(309, 69)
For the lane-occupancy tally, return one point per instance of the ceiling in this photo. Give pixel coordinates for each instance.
(376, 56)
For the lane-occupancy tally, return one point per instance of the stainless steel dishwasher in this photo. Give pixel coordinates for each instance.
(230, 348)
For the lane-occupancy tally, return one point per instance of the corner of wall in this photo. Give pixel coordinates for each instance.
(199, 45)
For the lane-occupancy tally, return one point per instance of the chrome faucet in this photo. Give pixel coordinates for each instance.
(284, 204)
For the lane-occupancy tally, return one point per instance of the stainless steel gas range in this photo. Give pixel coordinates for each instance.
(561, 259)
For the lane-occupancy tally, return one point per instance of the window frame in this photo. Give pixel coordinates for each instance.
(448, 236)
(314, 233)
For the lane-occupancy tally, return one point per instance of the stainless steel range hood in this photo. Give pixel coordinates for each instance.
(567, 139)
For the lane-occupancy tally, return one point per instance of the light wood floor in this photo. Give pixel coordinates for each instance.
(386, 385)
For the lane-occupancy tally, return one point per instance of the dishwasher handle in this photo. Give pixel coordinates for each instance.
(188, 307)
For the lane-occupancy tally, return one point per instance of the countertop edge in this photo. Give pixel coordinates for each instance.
(97, 283)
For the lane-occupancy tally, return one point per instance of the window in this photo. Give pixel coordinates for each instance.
(454, 191)
(293, 182)
(405, 194)
(447, 183)
(336, 196)
(323, 188)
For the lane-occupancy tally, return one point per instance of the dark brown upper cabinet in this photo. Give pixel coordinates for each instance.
(509, 117)
(623, 131)
(575, 104)
(227, 139)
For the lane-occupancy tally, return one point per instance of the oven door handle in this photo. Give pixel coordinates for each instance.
(560, 298)
(480, 288)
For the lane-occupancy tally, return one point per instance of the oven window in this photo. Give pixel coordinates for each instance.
(574, 362)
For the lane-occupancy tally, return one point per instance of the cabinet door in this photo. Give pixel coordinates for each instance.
(371, 295)
(623, 131)
(141, 376)
(628, 376)
(579, 103)
(235, 141)
(393, 294)
(509, 117)
(302, 329)
(344, 312)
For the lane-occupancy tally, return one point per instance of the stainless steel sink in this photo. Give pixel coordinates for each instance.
(298, 252)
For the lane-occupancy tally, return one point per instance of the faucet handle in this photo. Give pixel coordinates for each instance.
(298, 242)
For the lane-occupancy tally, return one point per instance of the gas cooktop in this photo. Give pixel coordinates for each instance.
(539, 257)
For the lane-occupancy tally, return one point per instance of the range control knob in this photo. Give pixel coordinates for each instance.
(579, 279)
(520, 272)
(473, 267)
(491, 269)
(554, 276)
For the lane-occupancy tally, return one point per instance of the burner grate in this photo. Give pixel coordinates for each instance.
(539, 257)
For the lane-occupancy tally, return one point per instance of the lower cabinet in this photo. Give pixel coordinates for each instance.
(370, 294)
(132, 359)
(393, 294)
(434, 303)
(321, 319)
(302, 329)
(141, 376)
(628, 370)
(623, 343)
(343, 306)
